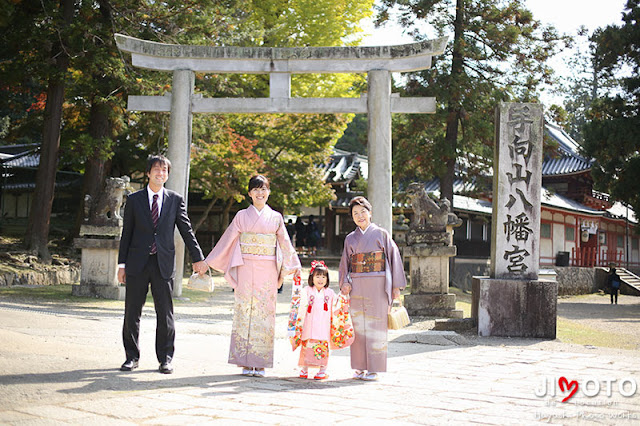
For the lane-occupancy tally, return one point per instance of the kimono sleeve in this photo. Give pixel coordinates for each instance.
(289, 257)
(394, 262)
(226, 255)
(345, 264)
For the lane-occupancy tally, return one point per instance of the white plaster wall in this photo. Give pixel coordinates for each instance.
(557, 232)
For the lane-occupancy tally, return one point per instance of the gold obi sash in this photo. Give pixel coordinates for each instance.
(367, 262)
(259, 244)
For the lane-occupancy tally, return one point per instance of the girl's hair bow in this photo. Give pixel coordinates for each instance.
(316, 263)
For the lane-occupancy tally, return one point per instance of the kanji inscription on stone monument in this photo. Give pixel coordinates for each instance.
(516, 188)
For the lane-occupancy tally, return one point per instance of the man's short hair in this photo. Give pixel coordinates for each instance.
(155, 159)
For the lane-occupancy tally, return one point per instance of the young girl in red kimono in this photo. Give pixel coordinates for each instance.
(316, 307)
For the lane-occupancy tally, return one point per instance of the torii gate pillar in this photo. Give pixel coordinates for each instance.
(178, 152)
(379, 147)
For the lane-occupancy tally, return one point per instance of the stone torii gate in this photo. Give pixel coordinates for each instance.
(280, 63)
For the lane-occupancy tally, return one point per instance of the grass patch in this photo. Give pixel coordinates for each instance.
(49, 293)
(62, 294)
(571, 332)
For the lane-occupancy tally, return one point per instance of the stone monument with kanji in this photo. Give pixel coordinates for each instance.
(513, 301)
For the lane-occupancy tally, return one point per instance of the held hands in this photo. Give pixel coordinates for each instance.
(345, 289)
(200, 267)
(296, 274)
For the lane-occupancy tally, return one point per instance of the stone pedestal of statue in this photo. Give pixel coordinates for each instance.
(99, 275)
(429, 248)
(429, 277)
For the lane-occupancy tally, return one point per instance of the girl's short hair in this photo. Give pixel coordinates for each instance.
(258, 181)
(319, 270)
(359, 201)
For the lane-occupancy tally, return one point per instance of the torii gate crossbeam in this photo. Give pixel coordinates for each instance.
(280, 63)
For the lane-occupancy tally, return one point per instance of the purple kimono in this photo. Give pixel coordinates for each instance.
(371, 295)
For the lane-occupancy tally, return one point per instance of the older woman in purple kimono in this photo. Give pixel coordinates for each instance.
(255, 254)
(371, 270)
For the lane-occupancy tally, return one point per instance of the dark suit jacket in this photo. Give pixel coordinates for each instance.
(138, 233)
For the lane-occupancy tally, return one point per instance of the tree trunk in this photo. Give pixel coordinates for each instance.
(37, 236)
(454, 106)
(205, 215)
(225, 212)
(96, 167)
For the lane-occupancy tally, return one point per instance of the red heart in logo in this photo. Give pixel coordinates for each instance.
(563, 382)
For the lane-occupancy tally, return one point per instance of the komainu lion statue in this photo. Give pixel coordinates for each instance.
(428, 212)
(106, 209)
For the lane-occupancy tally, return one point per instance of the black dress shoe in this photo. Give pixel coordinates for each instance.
(166, 368)
(129, 365)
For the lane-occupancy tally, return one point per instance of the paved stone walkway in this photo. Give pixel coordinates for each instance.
(60, 365)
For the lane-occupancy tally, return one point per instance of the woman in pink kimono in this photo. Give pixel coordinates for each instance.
(255, 254)
(372, 271)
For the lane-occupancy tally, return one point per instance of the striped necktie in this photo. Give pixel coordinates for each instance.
(154, 217)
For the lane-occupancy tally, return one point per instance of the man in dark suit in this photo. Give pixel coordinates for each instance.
(147, 256)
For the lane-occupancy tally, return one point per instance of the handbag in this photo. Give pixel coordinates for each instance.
(201, 282)
(398, 316)
(342, 333)
(293, 326)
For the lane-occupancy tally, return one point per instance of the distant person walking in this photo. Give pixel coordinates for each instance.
(614, 284)
(301, 233)
(313, 235)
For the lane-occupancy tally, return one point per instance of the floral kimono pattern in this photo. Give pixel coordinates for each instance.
(254, 253)
(316, 331)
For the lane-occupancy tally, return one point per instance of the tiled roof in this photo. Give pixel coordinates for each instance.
(569, 160)
(459, 186)
(27, 160)
(343, 167)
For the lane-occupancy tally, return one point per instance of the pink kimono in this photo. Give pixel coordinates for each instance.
(371, 295)
(254, 252)
(315, 312)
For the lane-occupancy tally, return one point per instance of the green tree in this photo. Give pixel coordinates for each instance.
(585, 83)
(57, 29)
(222, 162)
(291, 147)
(611, 133)
(498, 53)
(354, 138)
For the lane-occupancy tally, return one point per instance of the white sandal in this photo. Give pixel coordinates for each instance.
(358, 374)
(370, 376)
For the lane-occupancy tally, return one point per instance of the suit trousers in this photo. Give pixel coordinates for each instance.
(136, 295)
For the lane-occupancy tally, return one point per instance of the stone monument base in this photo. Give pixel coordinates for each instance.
(432, 305)
(99, 275)
(101, 291)
(515, 308)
